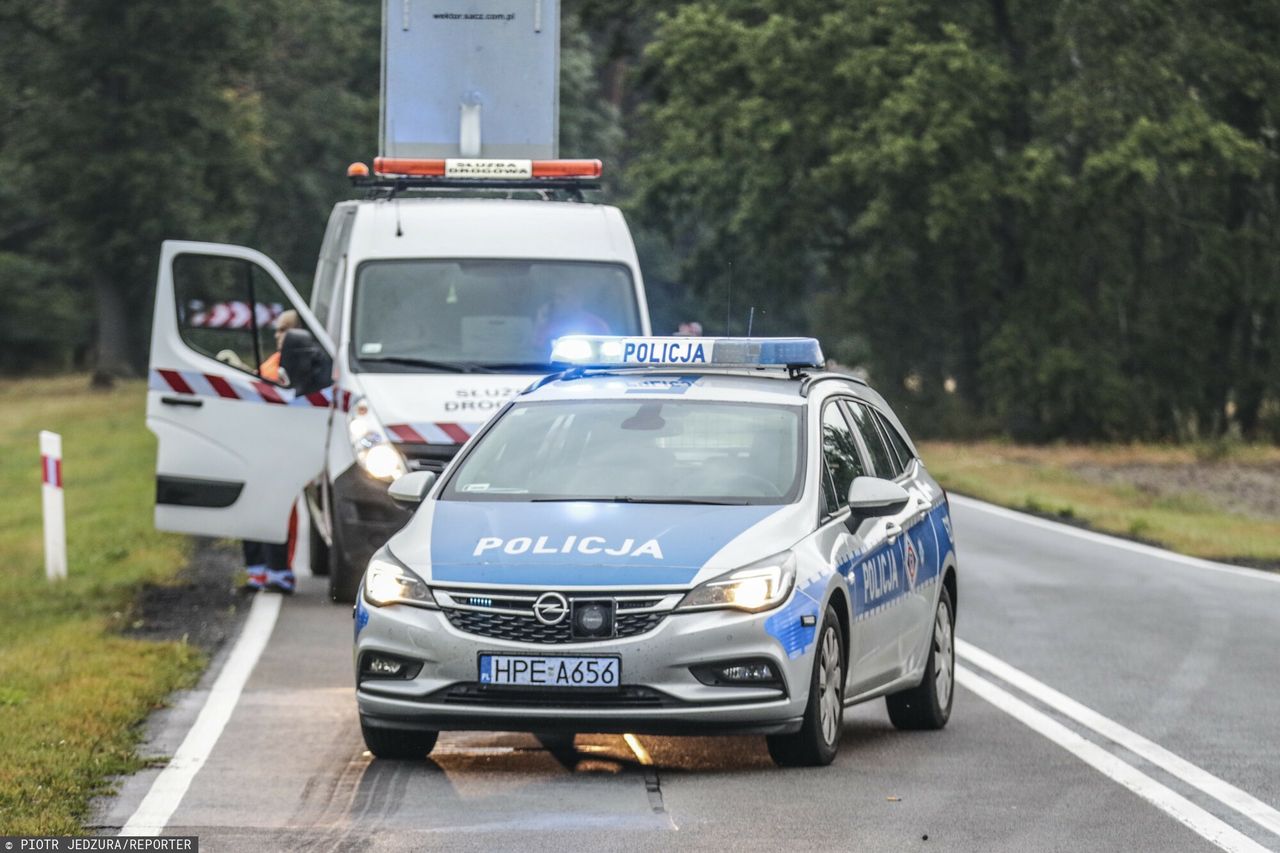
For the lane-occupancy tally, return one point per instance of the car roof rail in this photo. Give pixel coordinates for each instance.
(810, 380)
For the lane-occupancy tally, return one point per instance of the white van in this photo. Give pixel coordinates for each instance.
(434, 311)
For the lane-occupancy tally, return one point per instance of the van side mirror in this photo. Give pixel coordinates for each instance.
(871, 496)
(412, 488)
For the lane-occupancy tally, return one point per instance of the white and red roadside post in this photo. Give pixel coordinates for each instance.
(55, 512)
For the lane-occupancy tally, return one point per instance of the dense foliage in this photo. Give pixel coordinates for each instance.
(1047, 220)
(1065, 212)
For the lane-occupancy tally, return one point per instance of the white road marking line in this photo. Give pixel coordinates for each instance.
(1113, 541)
(1168, 801)
(1222, 791)
(641, 754)
(171, 785)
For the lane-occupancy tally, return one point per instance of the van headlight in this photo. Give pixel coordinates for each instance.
(373, 450)
(388, 582)
(759, 586)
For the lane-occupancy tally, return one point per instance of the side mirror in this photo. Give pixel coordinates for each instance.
(871, 496)
(411, 488)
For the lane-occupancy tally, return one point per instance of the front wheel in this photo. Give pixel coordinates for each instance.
(397, 743)
(816, 743)
(929, 705)
(319, 549)
(344, 579)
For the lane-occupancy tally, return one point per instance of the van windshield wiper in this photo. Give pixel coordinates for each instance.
(623, 499)
(428, 364)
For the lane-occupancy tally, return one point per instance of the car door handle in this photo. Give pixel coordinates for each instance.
(892, 530)
(193, 402)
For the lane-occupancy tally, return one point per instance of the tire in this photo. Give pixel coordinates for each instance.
(344, 579)
(397, 744)
(319, 550)
(818, 740)
(928, 706)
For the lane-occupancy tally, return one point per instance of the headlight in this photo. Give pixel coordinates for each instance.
(387, 582)
(757, 587)
(369, 443)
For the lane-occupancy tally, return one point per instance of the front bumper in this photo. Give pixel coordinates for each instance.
(659, 693)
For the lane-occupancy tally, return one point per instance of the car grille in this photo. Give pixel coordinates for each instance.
(503, 615)
(623, 697)
(526, 629)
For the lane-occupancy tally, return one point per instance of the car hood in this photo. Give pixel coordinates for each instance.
(584, 543)
(441, 408)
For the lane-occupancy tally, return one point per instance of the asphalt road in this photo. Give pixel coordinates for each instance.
(1163, 734)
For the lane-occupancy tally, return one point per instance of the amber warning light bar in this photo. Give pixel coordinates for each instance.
(481, 169)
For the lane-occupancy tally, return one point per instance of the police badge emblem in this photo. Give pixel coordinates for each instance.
(912, 561)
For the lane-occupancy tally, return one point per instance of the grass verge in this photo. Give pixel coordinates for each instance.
(1042, 480)
(73, 688)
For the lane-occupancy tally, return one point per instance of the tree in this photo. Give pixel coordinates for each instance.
(1066, 213)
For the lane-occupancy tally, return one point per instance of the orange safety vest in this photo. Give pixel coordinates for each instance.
(270, 369)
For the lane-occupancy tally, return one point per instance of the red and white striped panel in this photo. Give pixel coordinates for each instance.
(51, 471)
(231, 315)
(248, 390)
(433, 433)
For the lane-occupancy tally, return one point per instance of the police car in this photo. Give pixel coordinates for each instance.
(672, 535)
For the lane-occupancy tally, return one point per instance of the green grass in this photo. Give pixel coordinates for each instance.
(1039, 479)
(73, 690)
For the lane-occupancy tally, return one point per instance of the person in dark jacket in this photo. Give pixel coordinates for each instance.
(301, 364)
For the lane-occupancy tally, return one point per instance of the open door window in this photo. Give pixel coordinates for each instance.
(240, 392)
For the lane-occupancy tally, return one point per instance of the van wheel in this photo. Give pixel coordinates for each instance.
(397, 743)
(816, 743)
(318, 550)
(344, 580)
(929, 705)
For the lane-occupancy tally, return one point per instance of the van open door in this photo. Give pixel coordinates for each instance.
(238, 436)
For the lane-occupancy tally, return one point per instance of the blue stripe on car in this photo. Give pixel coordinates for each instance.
(786, 625)
(687, 536)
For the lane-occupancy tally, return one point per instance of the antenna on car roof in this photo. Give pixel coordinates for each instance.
(728, 308)
(751, 318)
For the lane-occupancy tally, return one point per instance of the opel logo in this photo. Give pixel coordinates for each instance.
(551, 608)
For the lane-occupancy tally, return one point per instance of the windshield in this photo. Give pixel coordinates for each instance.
(652, 451)
(483, 314)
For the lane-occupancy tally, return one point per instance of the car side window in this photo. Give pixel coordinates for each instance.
(840, 457)
(896, 442)
(882, 458)
(325, 290)
(233, 311)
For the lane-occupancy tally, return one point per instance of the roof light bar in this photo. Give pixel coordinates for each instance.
(486, 169)
(601, 351)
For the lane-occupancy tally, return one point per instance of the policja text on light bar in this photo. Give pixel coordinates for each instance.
(605, 351)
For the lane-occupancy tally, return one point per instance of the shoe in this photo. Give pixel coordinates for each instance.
(257, 578)
(281, 580)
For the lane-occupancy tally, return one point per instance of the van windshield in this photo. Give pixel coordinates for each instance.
(636, 451)
(459, 315)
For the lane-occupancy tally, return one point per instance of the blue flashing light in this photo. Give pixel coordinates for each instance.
(604, 351)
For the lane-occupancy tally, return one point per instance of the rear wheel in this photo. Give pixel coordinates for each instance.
(344, 579)
(816, 743)
(396, 743)
(929, 705)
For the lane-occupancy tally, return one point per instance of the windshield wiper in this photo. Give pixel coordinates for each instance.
(428, 364)
(623, 499)
(540, 366)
